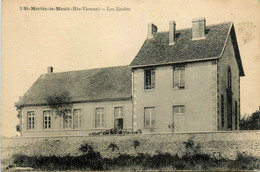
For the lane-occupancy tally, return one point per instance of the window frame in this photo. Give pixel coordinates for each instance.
(77, 123)
(151, 83)
(122, 112)
(31, 122)
(222, 110)
(236, 115)
(181, 76)
(179, 106)
(229, 78)
(49, 120)
(151, 118)
(101, 118)
(69, 121)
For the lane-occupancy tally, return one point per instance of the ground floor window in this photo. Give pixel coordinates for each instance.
(222, 110)
(67, 121)
(30, 120)
(118, 116)
(236, 115)
(99, 118)
(46, 120)
(149, 116)
(77, 118)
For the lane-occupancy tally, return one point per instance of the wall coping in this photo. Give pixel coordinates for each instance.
(127, 135)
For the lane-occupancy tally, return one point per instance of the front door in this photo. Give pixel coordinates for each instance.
(179, 121)
(119, 123)
(179, 118)
(118, 119)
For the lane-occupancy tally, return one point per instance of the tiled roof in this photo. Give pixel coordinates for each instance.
(157, 50)
(84, 85)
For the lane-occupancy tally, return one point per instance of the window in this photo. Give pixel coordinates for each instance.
(77, 118)
(179, 77)
(179, 109)
(149, 79)
(118, 112)
(222, 110)
(30, 121)
(229, 78)
(99, 118)
(67, 122)
(149, 117)
(46, 120)
(236, 115)
(119, 115)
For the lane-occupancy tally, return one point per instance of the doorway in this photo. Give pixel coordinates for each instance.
(118, 119)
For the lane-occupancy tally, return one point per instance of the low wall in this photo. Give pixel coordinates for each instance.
(226, 144)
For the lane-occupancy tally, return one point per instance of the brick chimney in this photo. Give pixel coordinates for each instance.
(50, 69)
(172, 35)
(198, 28)
(152, 29)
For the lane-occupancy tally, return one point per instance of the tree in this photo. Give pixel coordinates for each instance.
(60, 104)
(251, 122)
(18, 126)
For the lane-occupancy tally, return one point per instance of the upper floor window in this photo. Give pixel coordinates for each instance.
(149, 117)
(46, 119)
(99, 118)
(30, 120)
(77, 118)
(179, 76)
(229, 77)
(149, 79)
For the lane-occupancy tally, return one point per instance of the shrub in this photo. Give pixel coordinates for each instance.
(90, 158)
(191, 148)
(136, 144)
(113, 147)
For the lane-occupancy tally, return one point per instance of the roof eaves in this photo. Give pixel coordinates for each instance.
(186, 61)
(79, 101)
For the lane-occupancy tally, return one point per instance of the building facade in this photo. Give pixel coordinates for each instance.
(180, 81)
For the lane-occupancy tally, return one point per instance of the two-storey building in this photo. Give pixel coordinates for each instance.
(183, 80)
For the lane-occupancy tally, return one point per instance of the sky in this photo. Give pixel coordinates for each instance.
(76, 40)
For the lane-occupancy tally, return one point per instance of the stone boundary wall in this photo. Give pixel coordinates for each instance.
(225, 144)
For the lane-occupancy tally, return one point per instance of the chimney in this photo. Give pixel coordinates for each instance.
(198, 28)
(172, 35)
(50, 69)
(152, 29)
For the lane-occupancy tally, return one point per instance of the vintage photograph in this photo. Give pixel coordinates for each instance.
(130, 85)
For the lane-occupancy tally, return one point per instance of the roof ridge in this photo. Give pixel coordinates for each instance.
(85, 70)
(187, 28)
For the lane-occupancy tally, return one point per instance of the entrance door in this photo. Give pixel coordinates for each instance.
(118, 119)
(179, 118)
(179, 121)
(119, 123)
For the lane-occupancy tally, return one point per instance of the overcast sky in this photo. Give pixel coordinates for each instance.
(67, 40)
